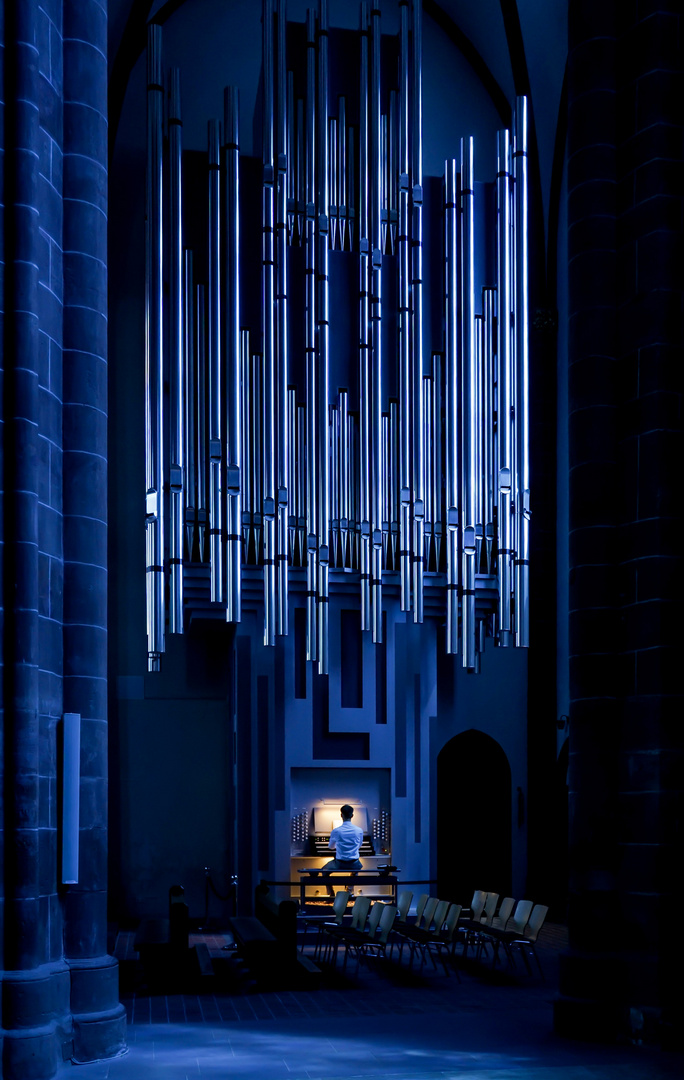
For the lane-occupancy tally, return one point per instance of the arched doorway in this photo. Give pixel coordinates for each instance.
(473, 817)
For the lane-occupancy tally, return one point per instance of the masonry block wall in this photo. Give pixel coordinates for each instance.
(625, 165)
(60, 993)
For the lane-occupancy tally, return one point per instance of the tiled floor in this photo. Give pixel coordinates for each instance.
(372, 1023)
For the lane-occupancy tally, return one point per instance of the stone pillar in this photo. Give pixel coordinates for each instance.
(625, 293)
(99, 1019)
(35, 988)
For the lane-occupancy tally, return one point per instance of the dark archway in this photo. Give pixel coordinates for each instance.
(473, 817)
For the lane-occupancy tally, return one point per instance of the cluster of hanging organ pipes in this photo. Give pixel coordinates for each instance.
(436, 481)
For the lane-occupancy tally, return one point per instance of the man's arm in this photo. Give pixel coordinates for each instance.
(332, 843)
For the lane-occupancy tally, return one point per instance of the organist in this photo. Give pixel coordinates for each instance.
(346, 842)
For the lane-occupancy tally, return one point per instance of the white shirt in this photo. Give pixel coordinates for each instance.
(346, 839)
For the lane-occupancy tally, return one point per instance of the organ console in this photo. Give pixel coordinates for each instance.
(418, 466)
(310, 838)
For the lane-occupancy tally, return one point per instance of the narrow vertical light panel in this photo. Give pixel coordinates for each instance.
(282, 364)
(376, 187)
(71, 783)
(469, 477)
(154, 355)
(522, 564)
(215, 368)
(404, 316)
(503, 378)
(176, 360)
(310, 343)
(451, 394)
(364, 331)
(322, 322)
(268, 332)
(418, 546)
(234, 470)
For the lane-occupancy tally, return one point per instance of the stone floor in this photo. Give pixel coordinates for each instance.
(381, 1021)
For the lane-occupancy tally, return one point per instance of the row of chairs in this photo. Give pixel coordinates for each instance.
(438, 926)
(510, 926)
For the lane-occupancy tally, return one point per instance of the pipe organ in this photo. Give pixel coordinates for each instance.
(414, 474)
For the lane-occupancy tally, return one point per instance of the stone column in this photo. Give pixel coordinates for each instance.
(625, 291)
(35, 988)
(99, 1019)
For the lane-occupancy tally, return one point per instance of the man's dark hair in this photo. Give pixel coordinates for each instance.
(346, 812)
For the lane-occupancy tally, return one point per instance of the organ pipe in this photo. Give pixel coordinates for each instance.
(282, 364)
(233, 358)
(452, 406)
(503, 378)
(268, 332)
(418, 553)
(201, 443)
(468, 403)
(522, 615)
(176, 364)
(189, 405)
(375, 216)
(312, 447)
(154, 355)
(215, 389)
(404, 316)
(435, 481)
(364, 330)
(322, 320)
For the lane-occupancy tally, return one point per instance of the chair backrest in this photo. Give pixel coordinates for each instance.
(403, 905)
(360, 912)
(504, 912)
(477, 904)
(451, 922)
(374, 918)
(517, 924)
(489, 907)
(389, 914)
(428, 913)
(439, 916)
(536, 921)
(340, 905)
(420, 904)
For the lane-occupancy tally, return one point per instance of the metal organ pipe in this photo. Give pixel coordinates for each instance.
(154, 355)
(488, 405)
(364, 331)
(201, 430)
(215, 373)
(234, 469)
(436, 473)
(189, 404)
(376, 327)
(256, 475)
(503, 374)
(522, 614)
(404, 316)
(452, 406)
(322, 320)
(281, 329)
(310, 342)
(418, 554)
(176, 366)
(268, 333)
(469, 477)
